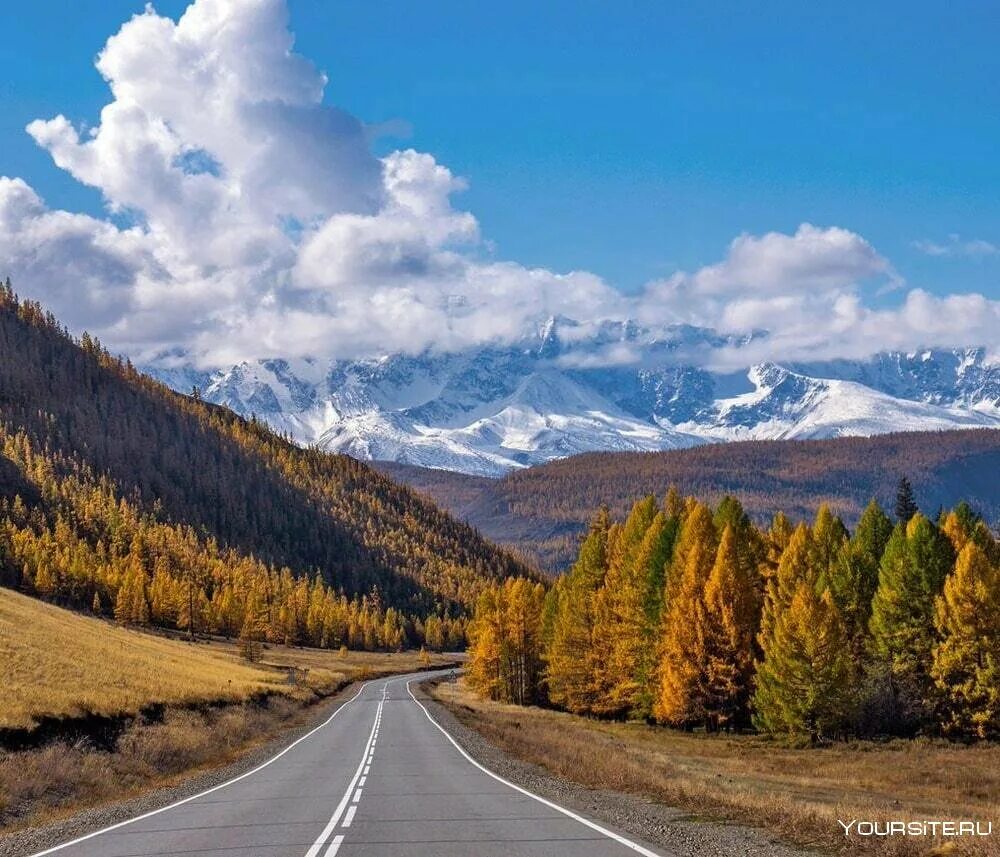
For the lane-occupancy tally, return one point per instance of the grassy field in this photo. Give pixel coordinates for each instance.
(59, 664)
(797, 793)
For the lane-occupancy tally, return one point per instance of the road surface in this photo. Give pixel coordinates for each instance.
(379, 778)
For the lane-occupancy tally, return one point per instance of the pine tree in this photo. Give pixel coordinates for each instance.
(906, 505)
(854, 579)
(620, 616)
(804, 682)
(569, 672)
(916, 562)
(131, 604)
(966, 665)
(654, 558)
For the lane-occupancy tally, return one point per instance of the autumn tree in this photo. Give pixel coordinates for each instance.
(570, 663)
(620, 615)
(966, 661)
(683, 652)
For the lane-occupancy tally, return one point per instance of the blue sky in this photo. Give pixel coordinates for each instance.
(628, 139)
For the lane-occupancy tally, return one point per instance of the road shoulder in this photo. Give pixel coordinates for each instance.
(673, 830)
(30, 840)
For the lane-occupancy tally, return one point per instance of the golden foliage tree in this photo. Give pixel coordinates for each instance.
(966, 660)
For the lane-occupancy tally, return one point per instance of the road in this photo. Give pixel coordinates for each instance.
(379, 778)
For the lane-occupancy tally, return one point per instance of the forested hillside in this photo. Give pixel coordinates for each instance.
(690, 615)
(117, 494)
(544, 510)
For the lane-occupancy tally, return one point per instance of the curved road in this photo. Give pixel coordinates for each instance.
(379, 778)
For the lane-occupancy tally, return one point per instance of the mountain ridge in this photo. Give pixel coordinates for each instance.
(568, 388)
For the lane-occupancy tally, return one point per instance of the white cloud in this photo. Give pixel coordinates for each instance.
(265, 226)
(957, 246)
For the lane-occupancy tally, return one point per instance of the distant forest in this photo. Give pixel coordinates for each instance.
(120, 496)
(543, 511)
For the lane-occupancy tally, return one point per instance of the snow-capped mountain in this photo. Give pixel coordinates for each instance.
(570, 388)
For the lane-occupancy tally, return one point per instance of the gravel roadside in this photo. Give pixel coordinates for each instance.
(672, 829)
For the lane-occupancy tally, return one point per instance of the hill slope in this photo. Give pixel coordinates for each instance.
(543, 509)
(75, 420)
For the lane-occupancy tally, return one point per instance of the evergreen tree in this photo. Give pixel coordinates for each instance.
(914, 566)
(620, 616)
(966, 665)
(804, 682)
(570, 663)
(854, 578)
(906, 505)
(829, 537)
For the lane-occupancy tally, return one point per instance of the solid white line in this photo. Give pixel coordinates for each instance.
(317, 846)
(178, 803)
(621, 840)
(350, 816)
(334, 846)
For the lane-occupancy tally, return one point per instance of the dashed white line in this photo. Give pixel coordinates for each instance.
(317, 846)
(350, 815)
(183, 801)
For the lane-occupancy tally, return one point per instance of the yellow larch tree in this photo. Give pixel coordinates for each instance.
(966, 665)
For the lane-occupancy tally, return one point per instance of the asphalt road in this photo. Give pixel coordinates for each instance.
(379, 778)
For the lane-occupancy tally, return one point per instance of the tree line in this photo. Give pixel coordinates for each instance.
(691, 616)
(86, 547)
(114, 488)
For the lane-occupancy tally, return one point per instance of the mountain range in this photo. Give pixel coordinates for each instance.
(569, 388)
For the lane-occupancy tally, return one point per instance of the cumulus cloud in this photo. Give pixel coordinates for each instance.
(265, 226)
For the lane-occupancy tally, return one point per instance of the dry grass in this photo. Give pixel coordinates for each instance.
(56, 663)
(797, 793)
(39, 785)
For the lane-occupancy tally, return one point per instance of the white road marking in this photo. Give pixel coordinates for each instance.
(334, 846)
(367, 769)
(350, 816)
(621, 840)
(317, 846)
(361, 782)
(183, 801)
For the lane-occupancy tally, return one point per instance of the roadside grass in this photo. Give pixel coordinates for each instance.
(797, 793)
(211, 706)
(56, 663)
